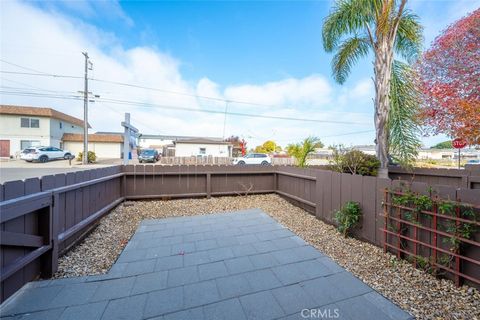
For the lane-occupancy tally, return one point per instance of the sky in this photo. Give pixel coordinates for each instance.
(265, 57)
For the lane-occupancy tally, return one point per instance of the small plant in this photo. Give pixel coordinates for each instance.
(92, 157)
(348, 217)
(446, 208)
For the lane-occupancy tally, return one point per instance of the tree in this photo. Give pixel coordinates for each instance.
(268, 146)
(403, 124)
(450, 81)
(354, 162)
(443, 145)
(300, 151)
(352, 29)
(238, 146)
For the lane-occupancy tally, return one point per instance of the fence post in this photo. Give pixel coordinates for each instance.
(50, 260)
(385, 214)
(209, 185)
(123, 182)
(275, 180)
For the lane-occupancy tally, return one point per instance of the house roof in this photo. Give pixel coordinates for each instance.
(78, 137)
(201, 141)
(176, 138)
(40, 112)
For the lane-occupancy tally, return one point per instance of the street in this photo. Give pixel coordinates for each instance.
(12, 170)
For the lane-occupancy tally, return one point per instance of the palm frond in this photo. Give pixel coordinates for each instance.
(347, 17)
(348, 53)
(384, 18)
(408, 42)
(402, 124)
(300, 151)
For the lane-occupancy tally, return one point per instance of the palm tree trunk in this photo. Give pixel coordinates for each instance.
(382, 70)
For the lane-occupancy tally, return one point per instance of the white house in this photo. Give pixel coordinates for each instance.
(202, 147)
(104, 145)
(23, 126)
(158, 141)
(167, 145)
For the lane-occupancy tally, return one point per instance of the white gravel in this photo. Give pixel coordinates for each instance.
(413, 290)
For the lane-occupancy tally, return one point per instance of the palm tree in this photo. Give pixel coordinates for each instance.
(300, 151)
(352, 29)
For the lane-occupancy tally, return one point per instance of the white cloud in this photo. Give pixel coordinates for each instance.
(313, 90)
(52, 42)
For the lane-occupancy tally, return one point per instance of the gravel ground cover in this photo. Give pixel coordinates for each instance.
(413, 290)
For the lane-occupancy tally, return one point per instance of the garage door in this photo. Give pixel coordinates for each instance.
(4, 148)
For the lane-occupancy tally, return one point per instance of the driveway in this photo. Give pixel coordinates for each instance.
(241, 265)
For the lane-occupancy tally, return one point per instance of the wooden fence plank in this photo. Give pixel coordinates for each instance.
(369, 208)
(382, 184)
(336, 195)
(32, 219)
(327, 196)
(13, 189)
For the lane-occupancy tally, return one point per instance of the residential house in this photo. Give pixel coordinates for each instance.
(166, 144)
(104, 145)
(25, 126)
(202, 147)
(431, 154)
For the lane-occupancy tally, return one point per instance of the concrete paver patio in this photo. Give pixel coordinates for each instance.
(240, 265)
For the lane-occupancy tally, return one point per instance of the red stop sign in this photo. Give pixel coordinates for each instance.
(459, 143)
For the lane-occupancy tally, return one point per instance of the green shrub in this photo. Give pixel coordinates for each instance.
(348, 217)
(354, 162)
(92, 157)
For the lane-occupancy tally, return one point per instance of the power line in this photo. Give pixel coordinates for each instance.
(40, 90)
(239, 114)
(178, 108)
(41, 73)
(39, 95)
(177, 92)
(105, 104)
(22, 67)
(347, 134)
(51, 96)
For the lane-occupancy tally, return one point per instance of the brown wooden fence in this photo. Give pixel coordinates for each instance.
(42, 218)
(468, 178)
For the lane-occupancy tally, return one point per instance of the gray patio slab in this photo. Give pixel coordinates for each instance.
(238, 265)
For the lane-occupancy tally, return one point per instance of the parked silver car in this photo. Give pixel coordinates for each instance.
(44, 154)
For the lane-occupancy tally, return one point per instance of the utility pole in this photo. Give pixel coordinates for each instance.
(128, 130)
(88, 65)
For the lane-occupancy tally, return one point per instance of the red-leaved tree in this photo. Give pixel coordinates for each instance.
(450, 81)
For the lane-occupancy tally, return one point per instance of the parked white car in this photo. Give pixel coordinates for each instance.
(253, 158)
(44, 154)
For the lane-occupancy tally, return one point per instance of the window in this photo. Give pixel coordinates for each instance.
(24, 144)
(25, 122)
(203, 151)
(29, 123)
(61, 125)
